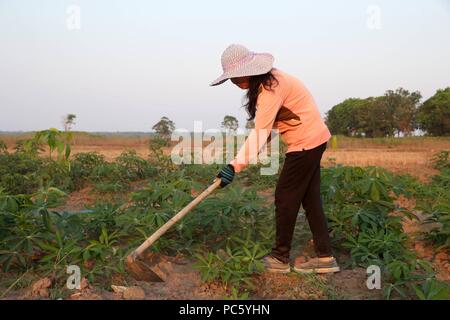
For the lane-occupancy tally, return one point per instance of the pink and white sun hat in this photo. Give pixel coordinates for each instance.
(238, 61)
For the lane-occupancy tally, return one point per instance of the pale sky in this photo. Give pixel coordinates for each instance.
(132, 61)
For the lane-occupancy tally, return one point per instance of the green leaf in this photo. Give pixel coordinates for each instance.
(68, 150)
(374, 193)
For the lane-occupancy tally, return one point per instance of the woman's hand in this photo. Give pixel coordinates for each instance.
(226, 175)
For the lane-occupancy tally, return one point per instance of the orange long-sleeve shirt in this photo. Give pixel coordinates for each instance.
(290, 108)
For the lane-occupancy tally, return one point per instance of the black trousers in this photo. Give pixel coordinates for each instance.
(299, 184)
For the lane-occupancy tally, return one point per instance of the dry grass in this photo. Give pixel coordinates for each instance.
(410, 155)
(110, 146)
(416, 163)
(91, 140)
(87, 139)
(428, 144)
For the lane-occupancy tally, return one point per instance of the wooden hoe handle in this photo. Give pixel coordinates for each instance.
(158, 233)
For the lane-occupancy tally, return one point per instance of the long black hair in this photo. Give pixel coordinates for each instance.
(267, 80)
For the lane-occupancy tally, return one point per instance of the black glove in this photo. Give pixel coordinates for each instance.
(226, 175)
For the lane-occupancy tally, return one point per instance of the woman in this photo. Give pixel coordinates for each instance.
(278, 100)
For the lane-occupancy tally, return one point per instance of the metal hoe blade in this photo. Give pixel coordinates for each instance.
(141, 270)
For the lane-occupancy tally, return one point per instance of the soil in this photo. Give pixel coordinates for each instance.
(78, 200)
(352, 285)
(182, 281)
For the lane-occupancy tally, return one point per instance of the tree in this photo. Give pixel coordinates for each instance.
(374, 119)
(387, 115)
(69, 121)
(434, 114)
(343, 118)
(401, 109)
(164, 127)
(230, 124)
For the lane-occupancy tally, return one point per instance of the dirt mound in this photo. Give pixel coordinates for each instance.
(86, 292)
(181, 281)
(39, 289)
(129, 293)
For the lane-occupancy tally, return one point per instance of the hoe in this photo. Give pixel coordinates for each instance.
(147, 270)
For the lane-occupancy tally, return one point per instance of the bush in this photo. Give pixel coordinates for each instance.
(31, 147)
(358, 203)
(83, 166)
(134, 167)
(19, 173)
(109, 176)
(432, 200)
(441, 161)
(56, 174)
(32, 236)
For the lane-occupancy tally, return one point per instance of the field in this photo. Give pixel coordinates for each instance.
(405, 156)
(386, 201)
